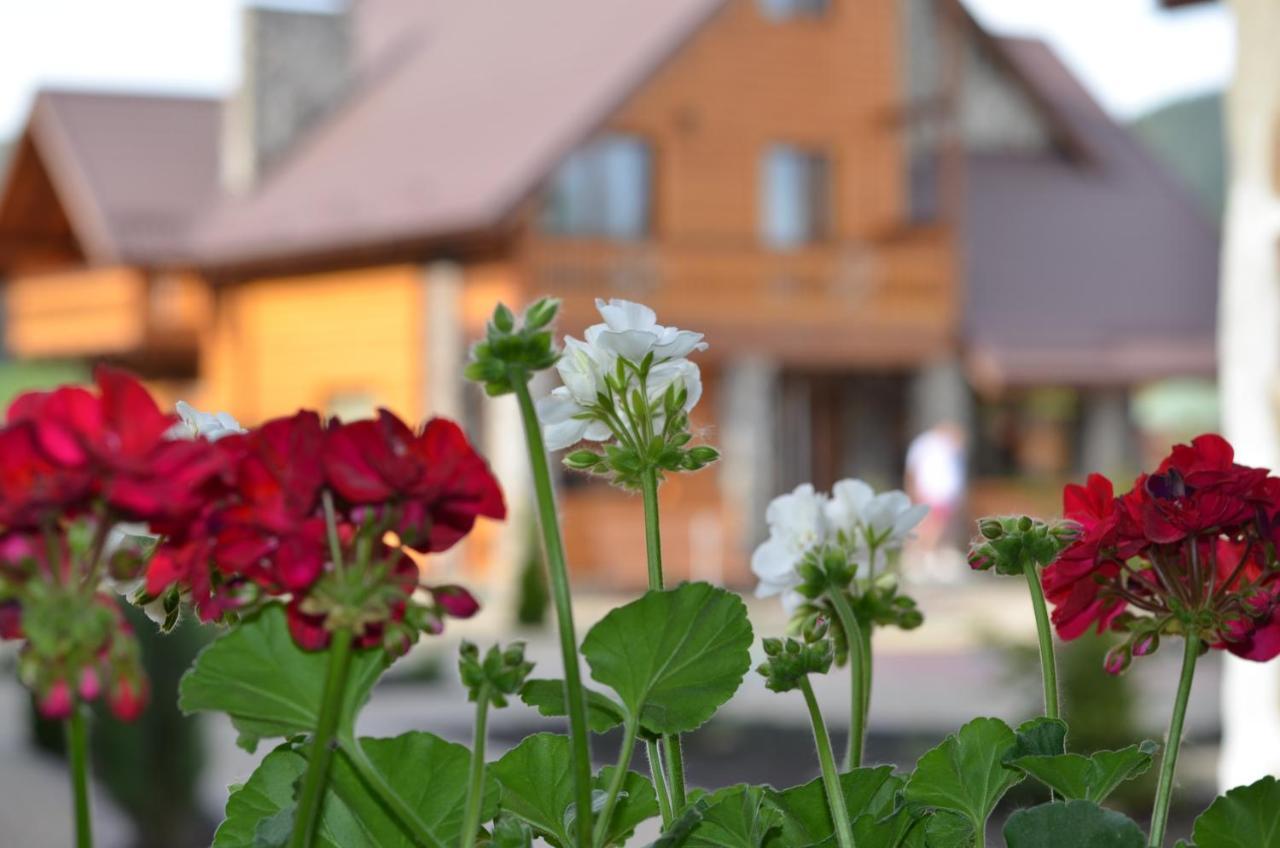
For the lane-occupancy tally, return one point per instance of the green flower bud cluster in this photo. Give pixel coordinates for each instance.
(1008, 543)
(790, 660)
(509, 352)
(499, 674)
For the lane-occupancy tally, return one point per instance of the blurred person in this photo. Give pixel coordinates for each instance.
(935, 476)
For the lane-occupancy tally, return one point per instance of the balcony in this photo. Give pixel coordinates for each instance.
(890, 302)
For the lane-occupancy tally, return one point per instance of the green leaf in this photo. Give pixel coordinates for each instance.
(1075, 824)
(806, 818)
(261, 811)
(1093, 778)
(673, 657)
(510, 832)
(268, 685)
(603, 713)
(1246, 817)
(966, 773)
(429, 773)
(871, 830)
(537, 788)
(739, 816)
(1040, 737)
(682, 828)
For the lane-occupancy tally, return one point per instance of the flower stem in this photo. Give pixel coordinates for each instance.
(78, 756)
(554, 547)
(1048, 667)
(475, 783)
(616, 782)
(311, 797)
(659, 781)
(859, 679)
(1169, 762)
(830, 777)
(653, 546)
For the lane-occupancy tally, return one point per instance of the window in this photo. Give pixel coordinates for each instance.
(795, 196)
(780, 10)
(602, 189)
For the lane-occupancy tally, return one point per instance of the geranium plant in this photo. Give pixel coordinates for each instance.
(302, 540)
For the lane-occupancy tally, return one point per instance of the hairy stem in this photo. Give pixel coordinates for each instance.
(830, 777)
(653, 546)
(859, 675)
(1169, 762)
(659, 781)
(78, 760)
(1048, 667)
(559, 578)
(475, 782)
(311, 797)
(616, 782)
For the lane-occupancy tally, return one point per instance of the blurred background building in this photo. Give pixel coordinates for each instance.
(923, 254)
(882, 216)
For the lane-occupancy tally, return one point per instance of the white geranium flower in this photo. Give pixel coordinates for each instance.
(631, 330)
(882, 521)
(203, 425)
(797, 523)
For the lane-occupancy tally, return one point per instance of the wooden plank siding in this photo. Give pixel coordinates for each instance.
(877, 291)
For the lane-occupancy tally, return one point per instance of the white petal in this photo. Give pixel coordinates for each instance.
(677, 343)
(775, 562)
(629, 344)
(626, 315)
(849, 499)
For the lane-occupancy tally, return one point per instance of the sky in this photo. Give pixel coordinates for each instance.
(1130, 55)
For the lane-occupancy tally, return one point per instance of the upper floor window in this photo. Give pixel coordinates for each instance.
(602, 189)
(783, 9)
(795, 207)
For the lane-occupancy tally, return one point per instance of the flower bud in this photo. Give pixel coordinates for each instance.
(56, 703)
(1146, 644)
(772, 646)
(469, 650)
(990, 528)
(128, 698)
(503, 318)
(1025, 523)
(1117, 659)
(816, 628)
(583, 460)
(90, 686)
(455, 601)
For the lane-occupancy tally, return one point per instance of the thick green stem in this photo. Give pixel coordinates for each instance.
(653, 545)
(1169, 762)
(1048, 668)
(830, 777)
(410, 823)
(311, 798)
(78, 760)
(559, 578)
(859, 676)
(475, 782)
(659, 781)
(617, 781)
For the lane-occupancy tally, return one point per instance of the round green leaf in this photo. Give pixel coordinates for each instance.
(267, 684)
(548, 697)
(806, 818)
(966, 773)
(1091, 778)
(1073, 824)
(1246, 817)
(673, 657)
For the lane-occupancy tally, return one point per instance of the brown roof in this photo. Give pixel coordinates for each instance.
(132, 172)
(1085, 268)
(473, 104)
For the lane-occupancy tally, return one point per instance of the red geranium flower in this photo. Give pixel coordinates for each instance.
(1187, 547)
(435, 478)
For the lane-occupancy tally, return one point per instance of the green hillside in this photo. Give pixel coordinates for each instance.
(1187, 135)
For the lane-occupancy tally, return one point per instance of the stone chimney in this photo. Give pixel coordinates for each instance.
(296, 66)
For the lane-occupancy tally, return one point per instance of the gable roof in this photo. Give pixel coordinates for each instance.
(132, 172)
(467, 112)
(1099, 268)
